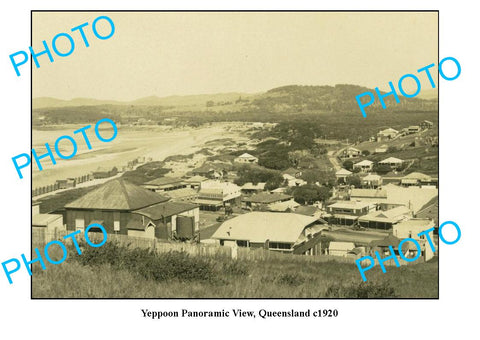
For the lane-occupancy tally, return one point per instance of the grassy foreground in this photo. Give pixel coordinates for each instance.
(113, 271)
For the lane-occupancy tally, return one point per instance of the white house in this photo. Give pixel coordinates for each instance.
(342, 174)
(387, 134)
(364, 166)
(246, 158)
(392, 161)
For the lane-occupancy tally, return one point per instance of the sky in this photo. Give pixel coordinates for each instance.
(182, 53)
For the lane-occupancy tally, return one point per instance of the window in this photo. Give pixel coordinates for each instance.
(116, 221)
(279, 245)
(79, 224)
(241, 243)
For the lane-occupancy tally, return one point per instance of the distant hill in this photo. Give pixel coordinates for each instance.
(188, 100)
(285, 100)
(428, 94)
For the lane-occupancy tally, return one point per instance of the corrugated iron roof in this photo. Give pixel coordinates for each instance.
(166, 209)
(117, 194)
(258, 227)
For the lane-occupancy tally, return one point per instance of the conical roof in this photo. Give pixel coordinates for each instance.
(117, 194)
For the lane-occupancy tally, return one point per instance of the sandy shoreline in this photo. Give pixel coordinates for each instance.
(152, 142)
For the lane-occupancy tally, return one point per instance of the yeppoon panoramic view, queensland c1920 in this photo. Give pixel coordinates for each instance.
(242, 166)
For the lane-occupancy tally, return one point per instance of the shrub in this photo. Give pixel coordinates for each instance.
(360, 290)
(290, 280)
(159, 267)
(235, 268)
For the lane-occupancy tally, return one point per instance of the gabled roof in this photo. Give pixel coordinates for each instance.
(343, 172)
(388, 131)
(246, 155)
(352, 149)
(117, 194)
(265, 197)
(195, 179)
(261, 226)
(350, 204)
(391, 160)
(364, 162)
(417, 175)
(390, 240)
(164, 181)
(166, 209)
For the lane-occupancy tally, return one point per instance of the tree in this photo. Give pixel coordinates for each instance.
(365, 153)
(354, 180)
(310, 193)
(392, 149)
(348, 165)
(210, 103)
(382, 169)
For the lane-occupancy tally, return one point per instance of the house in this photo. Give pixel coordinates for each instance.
(104, 172)
(340, 248)
(165, 184)
(414, 129)
(181, 195)
(125, 208)
(250, 188)
(246, 158)
(263, 200)
(347, 212)
(282, 232)
(386, 134)
(292, 181)
(381, 149)
(284, 206)
(369, 195)
(342, 175)
(426, 124)
(350, 153)
(167, 220)
(293, 172)
(364, 166)
(417, 179)
(380, 219)
(393, 162)
(409, 249)
(48, 222)
(309, 210)
(195, 181)
(412, 227)
(371, 181)
(209, 171)
(214, 195)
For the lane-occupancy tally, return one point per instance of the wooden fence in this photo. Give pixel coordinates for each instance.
(42, 237)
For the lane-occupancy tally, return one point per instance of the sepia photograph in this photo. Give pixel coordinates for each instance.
(234, 154)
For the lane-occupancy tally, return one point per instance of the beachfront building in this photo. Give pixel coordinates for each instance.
(166, 183)
(125, 208)
(214, 195)
(282, 232)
